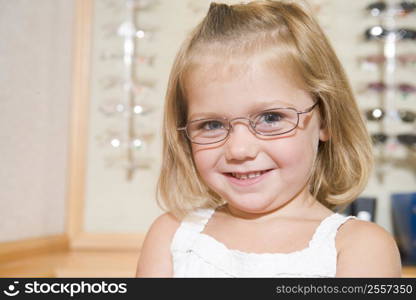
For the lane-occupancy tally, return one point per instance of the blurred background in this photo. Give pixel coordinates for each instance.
(82, 85)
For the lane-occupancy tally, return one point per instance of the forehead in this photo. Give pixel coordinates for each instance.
(218, 88)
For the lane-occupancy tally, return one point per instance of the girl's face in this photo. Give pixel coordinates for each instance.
(232, 93)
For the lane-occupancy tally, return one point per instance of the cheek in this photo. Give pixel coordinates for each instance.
(295, 154)
(204, 160)
(201, 163)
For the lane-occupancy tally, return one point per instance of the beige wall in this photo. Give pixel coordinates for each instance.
(35, 91)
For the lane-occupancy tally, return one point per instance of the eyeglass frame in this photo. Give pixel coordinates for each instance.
(249, 118)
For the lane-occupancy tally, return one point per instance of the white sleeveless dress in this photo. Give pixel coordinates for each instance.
(196, 254)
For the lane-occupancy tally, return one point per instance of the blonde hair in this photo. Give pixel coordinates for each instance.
(286, 33)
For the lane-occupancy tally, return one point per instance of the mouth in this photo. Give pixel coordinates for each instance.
(248, 178)
(247, 175)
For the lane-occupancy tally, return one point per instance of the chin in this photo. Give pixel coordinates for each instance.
(252, 205)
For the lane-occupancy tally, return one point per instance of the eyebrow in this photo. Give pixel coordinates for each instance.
(258, 106)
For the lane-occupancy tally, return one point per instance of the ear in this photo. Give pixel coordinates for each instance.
(323, 134)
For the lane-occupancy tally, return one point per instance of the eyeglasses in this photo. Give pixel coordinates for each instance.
(270, 122)
(402, 8)
(377, 114)
(406, 139)
(405, 59)
(404, 88)
(379, 32)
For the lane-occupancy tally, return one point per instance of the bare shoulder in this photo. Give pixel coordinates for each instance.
(155, 258)
(366, 249)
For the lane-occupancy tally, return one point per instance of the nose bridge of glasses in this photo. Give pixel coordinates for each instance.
(241, 120)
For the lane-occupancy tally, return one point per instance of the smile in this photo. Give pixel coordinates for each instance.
(248, 175)
(245, 179)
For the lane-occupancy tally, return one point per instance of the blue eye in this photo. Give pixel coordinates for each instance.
(275, 121)
(211, 125)
(271, 117)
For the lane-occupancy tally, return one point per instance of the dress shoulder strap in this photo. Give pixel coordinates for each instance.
(327, 230)
(197, 219)
(191, 225)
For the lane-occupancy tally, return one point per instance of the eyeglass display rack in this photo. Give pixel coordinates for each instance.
(129, 108)
(388, 33)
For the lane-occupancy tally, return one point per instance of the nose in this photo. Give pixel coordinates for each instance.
(242, 143)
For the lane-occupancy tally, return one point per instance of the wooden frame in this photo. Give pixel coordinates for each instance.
(30, 247)
(78, 239)
(79, 116)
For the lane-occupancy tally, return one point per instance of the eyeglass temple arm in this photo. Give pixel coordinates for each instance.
(308, 109)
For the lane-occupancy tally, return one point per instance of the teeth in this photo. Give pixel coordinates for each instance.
(247, 176)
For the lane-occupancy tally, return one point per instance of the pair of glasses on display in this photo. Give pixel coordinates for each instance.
(126, 29)
(147, 60)
(380, 87)
(116, 81)
(378, 114)
(379, 59)
(378, 32)
(402, 8)
(113, 106)
(117, 6)
(269, 122)
(406, 139)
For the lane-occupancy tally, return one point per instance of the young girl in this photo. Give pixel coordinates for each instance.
(262, 139)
